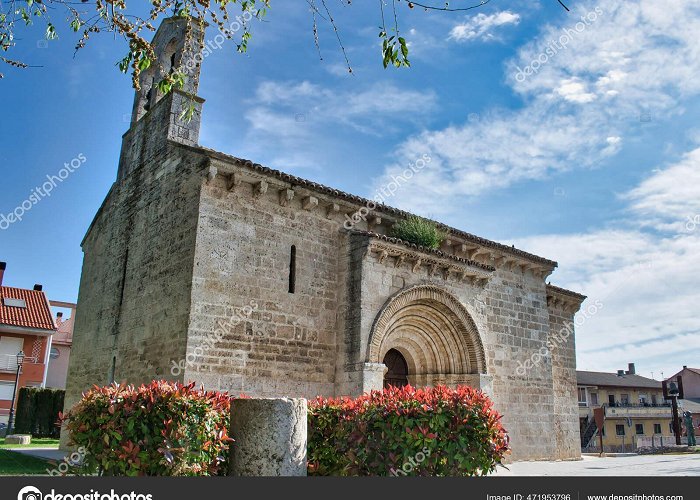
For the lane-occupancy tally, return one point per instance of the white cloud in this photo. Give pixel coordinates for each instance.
(646, 281)
(574, 90)
(481, 26)
(364, 110)
(292, 115)
(635, 56)
(669, 199)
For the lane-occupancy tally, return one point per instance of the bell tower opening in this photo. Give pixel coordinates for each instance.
(174, 50)
(397, 375)
(159, 117)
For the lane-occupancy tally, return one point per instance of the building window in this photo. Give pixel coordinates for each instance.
(642, 399)
(594, 399)
(657, 428)
(582, 396)
(620, 430)
(10, 302)
(625, 399)
(55, 353)
(112, 370)
(6, 389)
(9, 347)
(639, 429)
(611, 399)
(293, 269)
(670, 428)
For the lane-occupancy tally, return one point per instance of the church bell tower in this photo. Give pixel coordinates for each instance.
(156, 117)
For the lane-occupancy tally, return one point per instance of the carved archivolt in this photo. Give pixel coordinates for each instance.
(432, 329)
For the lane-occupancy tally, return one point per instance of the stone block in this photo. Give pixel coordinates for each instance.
(270, 437)
(18, 439)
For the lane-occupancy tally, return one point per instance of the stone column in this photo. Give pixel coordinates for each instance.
(270, 437)
(373, 376)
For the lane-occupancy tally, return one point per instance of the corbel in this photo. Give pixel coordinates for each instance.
(416, 266)
(286, 196)
(309, 203)
(332, 209)
(233, 181)
(260, 188)
(211, 173)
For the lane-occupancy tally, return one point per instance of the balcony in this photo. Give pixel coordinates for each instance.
(8, 362)
(645, 410)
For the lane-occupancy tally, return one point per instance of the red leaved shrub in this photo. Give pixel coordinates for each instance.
(434, 431)
(159, 429)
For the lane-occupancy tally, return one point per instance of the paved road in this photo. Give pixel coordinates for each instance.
(635, 465)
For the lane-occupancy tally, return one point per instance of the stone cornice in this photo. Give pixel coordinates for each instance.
(466, 242)
(561, 298)
(397, 253)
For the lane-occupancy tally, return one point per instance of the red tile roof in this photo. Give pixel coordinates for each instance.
(37, 314)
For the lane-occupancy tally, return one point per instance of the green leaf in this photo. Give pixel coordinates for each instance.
(144, 63)
(51, 32)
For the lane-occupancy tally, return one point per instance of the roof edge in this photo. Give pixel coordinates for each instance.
(419, 248)
(363, 201)
(97, 214)
(568, 293)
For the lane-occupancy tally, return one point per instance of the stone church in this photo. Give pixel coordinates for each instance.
(201, 266)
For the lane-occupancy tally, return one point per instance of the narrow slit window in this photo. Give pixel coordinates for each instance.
(112, 370)
(293, 269)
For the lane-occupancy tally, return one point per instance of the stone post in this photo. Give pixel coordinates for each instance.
(270, 437)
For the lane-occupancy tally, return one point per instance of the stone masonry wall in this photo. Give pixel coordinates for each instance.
(138, 257)
(518, 326)
(285, 343)
(563, 354)
(512, 317)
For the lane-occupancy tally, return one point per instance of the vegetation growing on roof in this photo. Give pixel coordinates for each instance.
(419, 231)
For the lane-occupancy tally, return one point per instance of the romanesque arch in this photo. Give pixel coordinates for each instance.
(432, 330)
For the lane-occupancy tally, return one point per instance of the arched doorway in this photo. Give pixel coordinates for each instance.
(434, 335)
(397, 373)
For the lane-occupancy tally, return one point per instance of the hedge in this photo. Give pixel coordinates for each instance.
(406, 432)
(166, 428)
(159, 429)
(38, 412)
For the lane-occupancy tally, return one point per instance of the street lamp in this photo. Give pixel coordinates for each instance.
(20, 361)
(674, 392)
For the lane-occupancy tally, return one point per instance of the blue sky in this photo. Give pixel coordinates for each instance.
(593, 160)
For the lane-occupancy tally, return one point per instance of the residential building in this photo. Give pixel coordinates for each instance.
(691, 381)
(26, 324)
(60, 347)
(634, 408)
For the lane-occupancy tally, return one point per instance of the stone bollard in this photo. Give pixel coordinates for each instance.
(269, 437)
(18, 439)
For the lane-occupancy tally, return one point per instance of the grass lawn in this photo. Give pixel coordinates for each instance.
(36, 443)
(17, 464)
